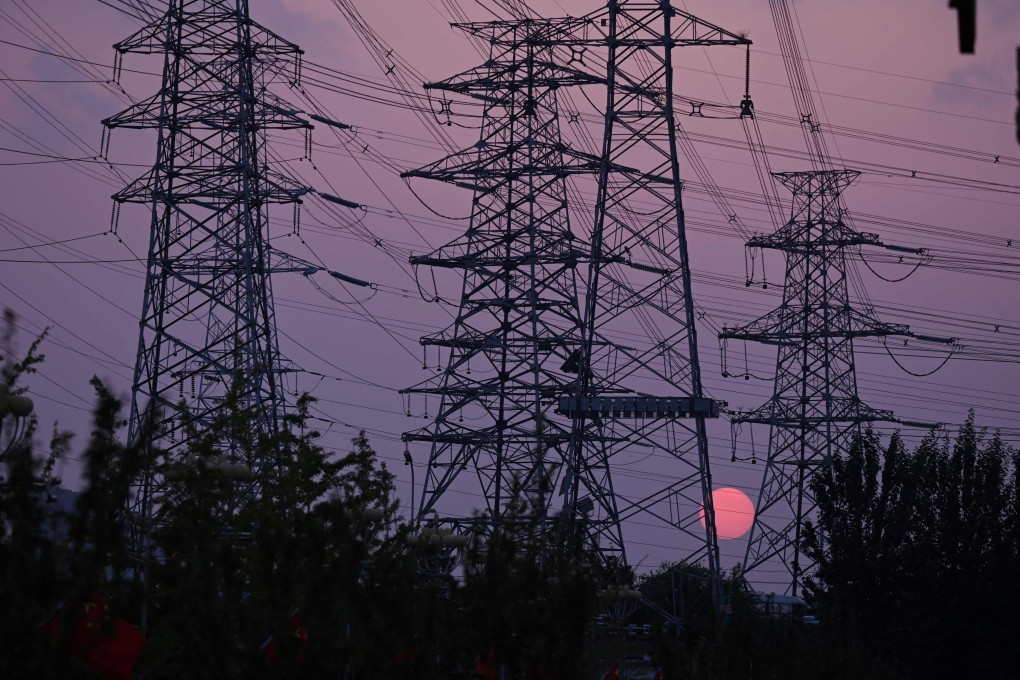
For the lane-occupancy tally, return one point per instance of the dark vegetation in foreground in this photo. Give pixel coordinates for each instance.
(314, 576)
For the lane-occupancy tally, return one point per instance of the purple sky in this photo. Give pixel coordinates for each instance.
(882, 69)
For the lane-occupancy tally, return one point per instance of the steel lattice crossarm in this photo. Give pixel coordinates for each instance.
(815, 322)
(818, 413)
(642, 28)
(207, 188)
(478, 82)
(205, 109)
(476, 168)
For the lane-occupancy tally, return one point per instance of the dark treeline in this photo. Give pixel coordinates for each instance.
(919, 554)
(314, 576)
(919, 557)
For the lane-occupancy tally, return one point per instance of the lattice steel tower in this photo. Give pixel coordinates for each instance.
(208, 323)
(511, 351)
(815, 412)
(640, 382)
(632, 347)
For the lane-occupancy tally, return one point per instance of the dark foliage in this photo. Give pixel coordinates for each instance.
(303, 571)
(920, 554)
(306, 571)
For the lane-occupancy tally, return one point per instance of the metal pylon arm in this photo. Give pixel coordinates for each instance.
(215, 187)
(798, 237)
(786, 326)
(209, 110)
(591, 30)
(483, 82)
(783, 413)
(206, 27)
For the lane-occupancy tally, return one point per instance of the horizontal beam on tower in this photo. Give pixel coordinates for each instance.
(640, 407)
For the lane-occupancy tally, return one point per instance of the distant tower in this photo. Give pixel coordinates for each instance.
(511, 351)
(208, 323)
(815, 412)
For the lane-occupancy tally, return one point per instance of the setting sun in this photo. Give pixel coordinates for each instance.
(734, 512)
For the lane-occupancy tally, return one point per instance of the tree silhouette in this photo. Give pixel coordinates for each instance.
(918, 553)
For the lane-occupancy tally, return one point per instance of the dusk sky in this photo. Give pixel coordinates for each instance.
(932, 131)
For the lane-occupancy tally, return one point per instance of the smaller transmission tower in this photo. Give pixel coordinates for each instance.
(815, 412)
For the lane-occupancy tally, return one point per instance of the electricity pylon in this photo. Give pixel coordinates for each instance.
(815, 411)
(207, 325)
(207, 319)
(511, 351)
(638, 381)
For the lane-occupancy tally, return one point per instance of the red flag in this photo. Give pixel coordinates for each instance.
(86, 631)
(300, 634)
(486, 667)
(114, 653)
(298, 631)
(269, 649)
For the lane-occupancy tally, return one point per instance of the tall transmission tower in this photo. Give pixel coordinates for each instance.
(640, 382)
(511, 351)
(634, 350)
(815, 411)
(208, 325)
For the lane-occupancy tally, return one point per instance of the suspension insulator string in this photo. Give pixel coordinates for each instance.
(733, 442)
(723, 344)
(747, 73)
(754, 456)
(747, 106)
